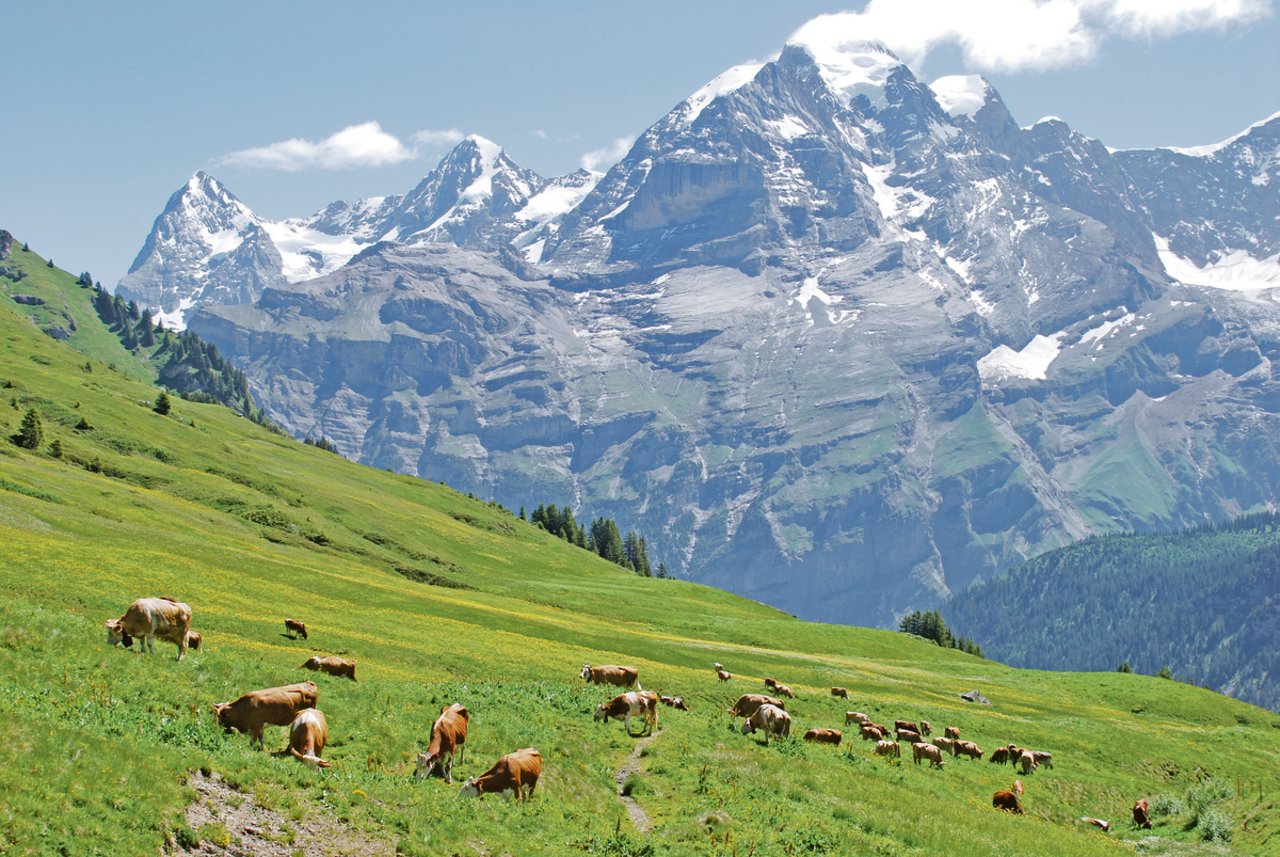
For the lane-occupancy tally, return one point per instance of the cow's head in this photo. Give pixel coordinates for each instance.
(748, 727)
(221, 712)
(116, 635)
(601, 712)
(1017, 787)
(426, 761)
(586, 671)
(471, 788)
(194, 640)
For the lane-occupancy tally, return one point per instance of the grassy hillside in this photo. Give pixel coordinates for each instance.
(442, 598)
(1204, 602)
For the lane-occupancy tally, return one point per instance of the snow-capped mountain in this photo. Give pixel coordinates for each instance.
(828, 335)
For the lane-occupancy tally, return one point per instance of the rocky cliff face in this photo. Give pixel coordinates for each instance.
(829, 336)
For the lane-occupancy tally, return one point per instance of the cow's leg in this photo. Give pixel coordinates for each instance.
(255, 737)
(448, 769)
(149, 644)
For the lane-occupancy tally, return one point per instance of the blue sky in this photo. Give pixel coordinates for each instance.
(113, 106)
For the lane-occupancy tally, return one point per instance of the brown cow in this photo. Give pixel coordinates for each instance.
(888, 748)
(925, 728)
(610, 674)
(511, 773)
(308, 734)
(840, 692)
(947, 745)
(785, 690)
(952, 731)
(194, 640)
(770, 683)
(676, 702)
(448, 736)
(769, 718)
(723, 676)
(921, 750)
(824, 736)
(967, 748)
(1000, 755)
(1105, 826)
(871, 733)
(1026, 762)
(1141, 814)
(855, 716)
(636, 703)
(1043, 758)
(272, 706)
(1007, 801)
(906, 734)
(149, 619)
(906, 724)
(293, 628)
(749, 702)
(332, 665)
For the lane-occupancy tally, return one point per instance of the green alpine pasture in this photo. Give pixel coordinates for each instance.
(442, 598)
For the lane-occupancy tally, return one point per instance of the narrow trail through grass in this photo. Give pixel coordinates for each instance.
(630, 767)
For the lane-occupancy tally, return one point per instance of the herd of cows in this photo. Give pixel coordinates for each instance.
(294, 706)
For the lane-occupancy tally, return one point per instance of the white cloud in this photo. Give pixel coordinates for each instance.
(539, 133)
(1016, 35)
(607, 156)
(437, 139)
(363, 145)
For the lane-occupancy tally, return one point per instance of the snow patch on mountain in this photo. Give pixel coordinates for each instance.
(722, 84)
(851, 66)
(1102, 331)
(1032, 362)
(810, 292)
(961, 94)
(1213, 148)
(1234, 271)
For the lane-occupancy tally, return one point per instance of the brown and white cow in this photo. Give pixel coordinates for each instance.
(951, 731)
(967, 748)
(308, 734)
(611, 674)
(1026, 762)
(840, 692)
(723, 676)
(855, 717)
(272, 706)
(946, 745)
(676, 702)
(824, 736)
(871, 733)
(906, 724)
(921, 750)
(907, 735)
(1043, 757)
(1000, 755)
(1007, 801)
(888, 748)
(150, 619)
(635, 703)
(1104, 826)
(294, 628)
(513, 772)
(770, 719)
(1142, 814)
(749, 702)
(448, 736)
(333, 665)
(784, 690)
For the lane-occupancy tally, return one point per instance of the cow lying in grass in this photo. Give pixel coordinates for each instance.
(149, 619)
(342, 667)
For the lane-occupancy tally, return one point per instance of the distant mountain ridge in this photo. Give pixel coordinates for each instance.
(832, 337)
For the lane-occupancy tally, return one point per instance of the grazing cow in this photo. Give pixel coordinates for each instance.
(769, 718)
(511, 773)
(719, 666)
(1017, 786)
(871, 733)
(946, 745)
(610, 674)
(1007, 801)
(784, 690)
(1141, 814)
(448, 736)
(295, 629)
(1014, 752)
(272, 706)
(635, 703)
(676, 702)
(888, 748)
(1043, 758)
(1000, 755)
(824, 736)
(308, 734)
(1026, 762)
(770, 683)
(967, 748)
(332, 665)
(906, 734)
(749, 702)
(855, 717)
(1105, 826)
(880, 726)
(921, 750)
(925, 728)
(840, 692)
(905, 724)
(149, 619)
(723, 676)
(194, 640)
(952, 731)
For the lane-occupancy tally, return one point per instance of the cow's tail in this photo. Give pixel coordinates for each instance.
(309, 759)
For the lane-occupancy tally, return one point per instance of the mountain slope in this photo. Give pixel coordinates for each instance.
(1205, 602)
(249, 527)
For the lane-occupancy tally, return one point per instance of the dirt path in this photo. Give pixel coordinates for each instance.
(230, 822)
(639, 817)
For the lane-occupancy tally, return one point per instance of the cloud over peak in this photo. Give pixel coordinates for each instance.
(354, 147)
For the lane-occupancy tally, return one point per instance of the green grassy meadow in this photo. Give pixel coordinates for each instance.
(443, 598)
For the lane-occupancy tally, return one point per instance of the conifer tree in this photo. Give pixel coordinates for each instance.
(31, 432)
(162, 404)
